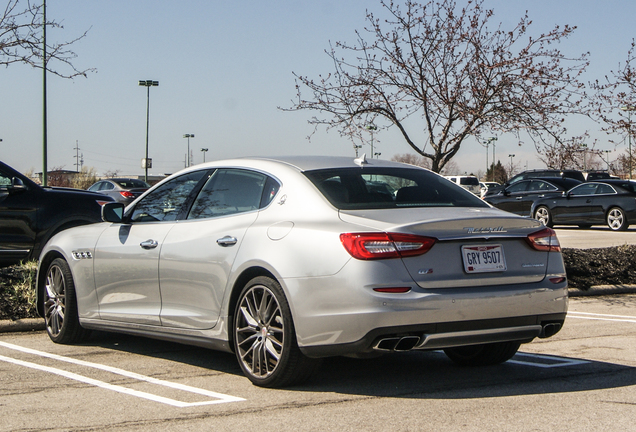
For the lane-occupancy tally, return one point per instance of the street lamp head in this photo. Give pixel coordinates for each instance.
(148, 83)
(188, 135)
(204, 149)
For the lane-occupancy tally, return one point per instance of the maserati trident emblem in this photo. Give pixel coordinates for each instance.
(472, 230)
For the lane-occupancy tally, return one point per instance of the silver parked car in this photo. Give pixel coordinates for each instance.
(291, 260)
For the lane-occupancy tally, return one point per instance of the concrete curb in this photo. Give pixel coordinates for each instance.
(22, 325)
(601, 290)
(37, 324)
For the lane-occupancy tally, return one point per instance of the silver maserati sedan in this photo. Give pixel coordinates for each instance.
(287, 261)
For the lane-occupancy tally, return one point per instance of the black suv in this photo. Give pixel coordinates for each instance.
(31, 214)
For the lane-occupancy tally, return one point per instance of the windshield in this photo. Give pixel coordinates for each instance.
(377, 188)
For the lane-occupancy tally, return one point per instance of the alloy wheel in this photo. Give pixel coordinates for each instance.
(55, 302)
(260, 331)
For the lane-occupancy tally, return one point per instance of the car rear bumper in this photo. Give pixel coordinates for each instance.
(335, 317)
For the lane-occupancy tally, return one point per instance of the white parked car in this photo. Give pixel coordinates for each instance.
(470, 183)
(291, 260)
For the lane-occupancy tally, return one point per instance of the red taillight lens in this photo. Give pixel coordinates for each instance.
(544, 240)
(368, 246)
(127, 194)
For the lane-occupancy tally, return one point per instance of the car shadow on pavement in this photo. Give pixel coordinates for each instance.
(413, 375)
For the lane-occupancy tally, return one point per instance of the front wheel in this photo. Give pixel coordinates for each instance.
(483, 355)
(616, 219)
(542, 214)
(60, 305)
(265, 338)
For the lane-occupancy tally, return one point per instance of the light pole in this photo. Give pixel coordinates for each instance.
(629, 110)
(488, 141)
(356, 147)
(203, 150)
(607, 152)
(584, 147)
(188, 136)
(511, 156)
(371, 128)
(147, 163)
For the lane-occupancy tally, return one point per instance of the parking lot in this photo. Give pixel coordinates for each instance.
(582, 379)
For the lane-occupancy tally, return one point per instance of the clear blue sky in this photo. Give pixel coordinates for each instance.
(223, 69)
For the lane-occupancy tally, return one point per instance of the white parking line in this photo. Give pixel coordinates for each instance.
(218, 397)
(601, 317)
(546, 361)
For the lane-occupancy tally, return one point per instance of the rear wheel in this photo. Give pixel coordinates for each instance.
(616, 219)
(265, 338)
(542, 214)
(483, 355)
(60, 305)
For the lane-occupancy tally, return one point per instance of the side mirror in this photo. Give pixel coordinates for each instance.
(113, 212)
(506, 192)
(565, 194)
(16, 186)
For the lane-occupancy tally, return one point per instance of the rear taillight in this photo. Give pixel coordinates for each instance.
(369, 246)
(127, 194)
(544, 240)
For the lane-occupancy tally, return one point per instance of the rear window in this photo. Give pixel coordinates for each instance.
(378, 188)
(469, 181)
(132, 183)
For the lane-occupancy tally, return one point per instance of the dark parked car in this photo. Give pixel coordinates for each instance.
(31, 214)
(123, 190)
(593, 203)
(518, 197)
(538, 173)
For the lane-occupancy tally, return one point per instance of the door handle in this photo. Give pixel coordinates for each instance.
(149, 244)
(226, 241)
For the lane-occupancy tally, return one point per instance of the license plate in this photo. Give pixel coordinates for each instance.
(483, 258)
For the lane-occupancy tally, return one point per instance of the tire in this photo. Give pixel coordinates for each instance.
(483, 355)
(616, 219)
(60, 305)
(542, 214)
(265, 337)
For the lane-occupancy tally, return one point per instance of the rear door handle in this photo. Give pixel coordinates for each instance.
(149, 244)
(226, 241)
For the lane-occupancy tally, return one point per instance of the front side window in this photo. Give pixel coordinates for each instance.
(166, 202)
(377, 188)
(519, 187)
(231, 191)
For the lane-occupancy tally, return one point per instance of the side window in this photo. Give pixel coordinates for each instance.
(230, 191)
(605, 189)
(106, 186)
(165, 202)
(540, 185)
(95, 187)
(584, 189)
(518, 187)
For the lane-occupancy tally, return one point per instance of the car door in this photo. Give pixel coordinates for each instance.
(513, 196)
(126, 259)
(18, 218)
(575, 206)
(198, 253)
(602, 200)
(536, 189)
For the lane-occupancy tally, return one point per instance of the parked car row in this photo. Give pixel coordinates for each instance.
(568, 201)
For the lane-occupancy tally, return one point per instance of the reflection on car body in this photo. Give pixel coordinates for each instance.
(287, 261)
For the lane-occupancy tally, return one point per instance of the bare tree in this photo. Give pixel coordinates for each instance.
(21, 40)
(442, 65)
(616, 101)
